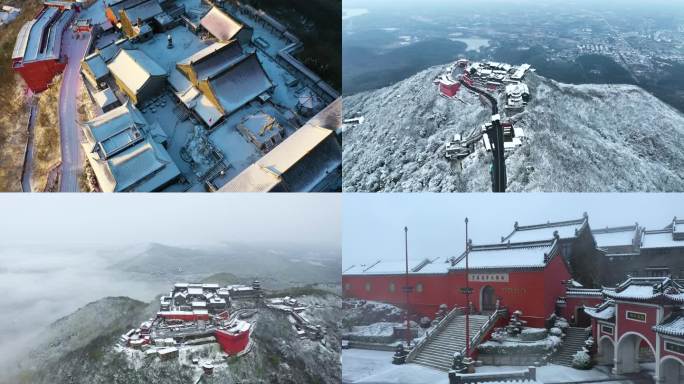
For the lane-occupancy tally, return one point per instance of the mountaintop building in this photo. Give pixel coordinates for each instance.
(136, 74)
(126, 153)
(37, 54)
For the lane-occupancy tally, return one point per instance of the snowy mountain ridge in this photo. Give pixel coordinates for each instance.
(580, 138)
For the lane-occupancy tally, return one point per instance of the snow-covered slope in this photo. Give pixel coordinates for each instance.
(581, 138)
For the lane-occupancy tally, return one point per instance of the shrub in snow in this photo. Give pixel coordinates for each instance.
(498, 335)
(532, 334)
(562, 324)
(555, 331)
(581, 360)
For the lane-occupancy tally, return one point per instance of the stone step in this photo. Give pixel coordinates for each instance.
(443, 357)
(439, 351)
(435, 364)
(436, 357)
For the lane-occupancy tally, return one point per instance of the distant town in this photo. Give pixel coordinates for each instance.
(575, 42)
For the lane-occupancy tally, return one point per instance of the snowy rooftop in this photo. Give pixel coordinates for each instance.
(604, 311)
(583, 292)
(97, 65)
(566, 230)
(509, 255)
(221, 25)
(265, 174)
(41, 38)
(133, 67)
(240, 83)
(123, 157)
(109, 51)
(615, 236)
(105, 98)
(192, 98)
(118, 5)
(677, 226)
(646, 288)
(663, 238)
(393, 267)
(672, 326)
(143, 11)
(212, 59)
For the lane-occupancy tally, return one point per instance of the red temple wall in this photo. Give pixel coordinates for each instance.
(533, 292)
(39, 74)
(232, 344)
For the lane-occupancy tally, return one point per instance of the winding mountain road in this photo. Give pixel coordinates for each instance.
(499, 160)
(72, 156)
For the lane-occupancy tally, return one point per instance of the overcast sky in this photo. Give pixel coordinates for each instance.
(373, 224)
(176, 219)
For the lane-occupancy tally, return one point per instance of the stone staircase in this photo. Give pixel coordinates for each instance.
(573, 342)
(438, 351)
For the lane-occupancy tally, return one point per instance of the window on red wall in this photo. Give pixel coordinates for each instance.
(419, 287)
(368, 286)
(392, 287)
(347, 287)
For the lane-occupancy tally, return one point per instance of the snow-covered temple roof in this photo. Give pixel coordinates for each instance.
(193, 99)
(239, 83)
(673, 325)
(647, 289)
(672, 236)
(265, 174)
(508, 255)
(97, 65)
(566, 230)
(615, 236)
(105, 98)
(211, 60)
(603, 311)
(583, 292)
(394, 267)
(221, 25)
(143, 11)
(134, 68)
(118, 5)
(41, 38)
(123, 155)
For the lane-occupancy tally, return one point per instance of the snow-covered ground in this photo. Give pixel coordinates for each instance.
(366, 366)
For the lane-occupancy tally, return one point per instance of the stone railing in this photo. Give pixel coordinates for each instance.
(484, 329)
(513, 376)
(429, 336)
